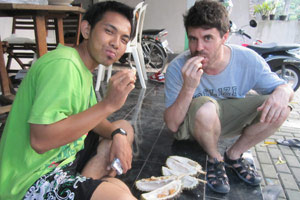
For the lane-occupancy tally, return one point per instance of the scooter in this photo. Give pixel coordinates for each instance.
(283, 59)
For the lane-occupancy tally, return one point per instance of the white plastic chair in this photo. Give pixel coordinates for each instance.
(134, 47)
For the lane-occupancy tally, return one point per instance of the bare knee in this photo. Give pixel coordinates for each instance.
(113, 189)
(206, 116)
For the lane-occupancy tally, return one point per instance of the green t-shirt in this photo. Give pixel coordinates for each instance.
(58, 85)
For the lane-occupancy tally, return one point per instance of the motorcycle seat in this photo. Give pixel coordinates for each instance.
(272, 47)
(152, 31)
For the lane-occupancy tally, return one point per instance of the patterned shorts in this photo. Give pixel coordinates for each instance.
(66, 182)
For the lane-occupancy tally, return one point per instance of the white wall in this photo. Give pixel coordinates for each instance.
(165, 14)
(267, 30)
(168, 14)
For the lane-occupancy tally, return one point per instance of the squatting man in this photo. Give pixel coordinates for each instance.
(206, 95)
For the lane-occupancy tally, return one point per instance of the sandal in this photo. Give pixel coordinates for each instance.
(243, 169)
(216, 177)
(289, 142)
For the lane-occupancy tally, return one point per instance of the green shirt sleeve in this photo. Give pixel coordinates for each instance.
(59, 92)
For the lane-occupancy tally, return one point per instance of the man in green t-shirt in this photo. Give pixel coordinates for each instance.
(57, 142)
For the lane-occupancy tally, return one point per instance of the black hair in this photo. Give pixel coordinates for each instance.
(95, 13)
(208, 14)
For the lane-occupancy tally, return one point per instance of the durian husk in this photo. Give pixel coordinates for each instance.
(181, 165)
(169, 191)
(152, 183)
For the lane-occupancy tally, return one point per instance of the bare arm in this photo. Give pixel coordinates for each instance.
(46, 137)
(275, 105)
(175, 114)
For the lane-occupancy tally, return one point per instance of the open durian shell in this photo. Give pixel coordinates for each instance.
(152, 183)
(182, 165)
(169, 191)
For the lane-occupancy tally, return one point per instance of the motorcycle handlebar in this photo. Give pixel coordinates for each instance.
(248, 36)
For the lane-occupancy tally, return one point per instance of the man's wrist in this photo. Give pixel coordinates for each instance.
(118, 131)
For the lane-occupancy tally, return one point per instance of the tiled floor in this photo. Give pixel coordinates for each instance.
(154, 143)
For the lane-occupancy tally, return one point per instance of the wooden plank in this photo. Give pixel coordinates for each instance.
(5, 109)
(3, 74)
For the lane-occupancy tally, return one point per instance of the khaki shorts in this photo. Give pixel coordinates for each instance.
(234, 115)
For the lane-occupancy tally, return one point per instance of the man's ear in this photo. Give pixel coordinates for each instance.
(85, 29)
(225, 37)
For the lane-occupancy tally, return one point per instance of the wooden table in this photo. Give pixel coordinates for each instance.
(39, 14)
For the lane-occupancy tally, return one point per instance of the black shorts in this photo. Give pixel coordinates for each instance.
(66, 182)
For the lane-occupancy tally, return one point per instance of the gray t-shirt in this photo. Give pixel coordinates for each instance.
(246, 70)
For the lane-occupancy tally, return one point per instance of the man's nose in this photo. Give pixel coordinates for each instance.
(115, 42)
(199, 45)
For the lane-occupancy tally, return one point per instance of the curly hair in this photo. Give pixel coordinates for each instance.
(208, 14)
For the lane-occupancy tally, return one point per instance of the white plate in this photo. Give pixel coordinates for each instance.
(60, 2)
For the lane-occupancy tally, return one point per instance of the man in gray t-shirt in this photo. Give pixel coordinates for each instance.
(205, 95)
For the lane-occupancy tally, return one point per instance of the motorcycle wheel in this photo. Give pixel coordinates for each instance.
(154, 54)
(291, 75)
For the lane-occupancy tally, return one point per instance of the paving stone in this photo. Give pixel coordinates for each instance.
(293, 115)
(282, 167)
(285, 150)
(296, 173)
(296, 152)
(285, 131)
(288, 181)
(259, 147)
(282, 193)
(264, 157)
(275, 153)
(269, 171)
(296, 136)
(262, 183)
(269, 195)
(275, 137)
(256, 163)
(293, 195)
(292, 161)
(272, 181)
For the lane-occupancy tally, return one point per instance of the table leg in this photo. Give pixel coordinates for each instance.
(3, 74)
(40, 35)
(59, 31)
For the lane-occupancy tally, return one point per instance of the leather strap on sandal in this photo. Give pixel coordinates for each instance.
(243, 169)
(217, 179)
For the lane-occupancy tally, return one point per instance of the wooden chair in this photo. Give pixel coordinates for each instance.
(23, 49)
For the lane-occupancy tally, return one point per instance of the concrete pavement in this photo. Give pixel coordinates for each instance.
(280, 165)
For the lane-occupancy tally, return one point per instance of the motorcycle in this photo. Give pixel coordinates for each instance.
(283, 59)
(155, 48)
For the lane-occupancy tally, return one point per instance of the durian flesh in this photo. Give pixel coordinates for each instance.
(150, 184)
(169, 191)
